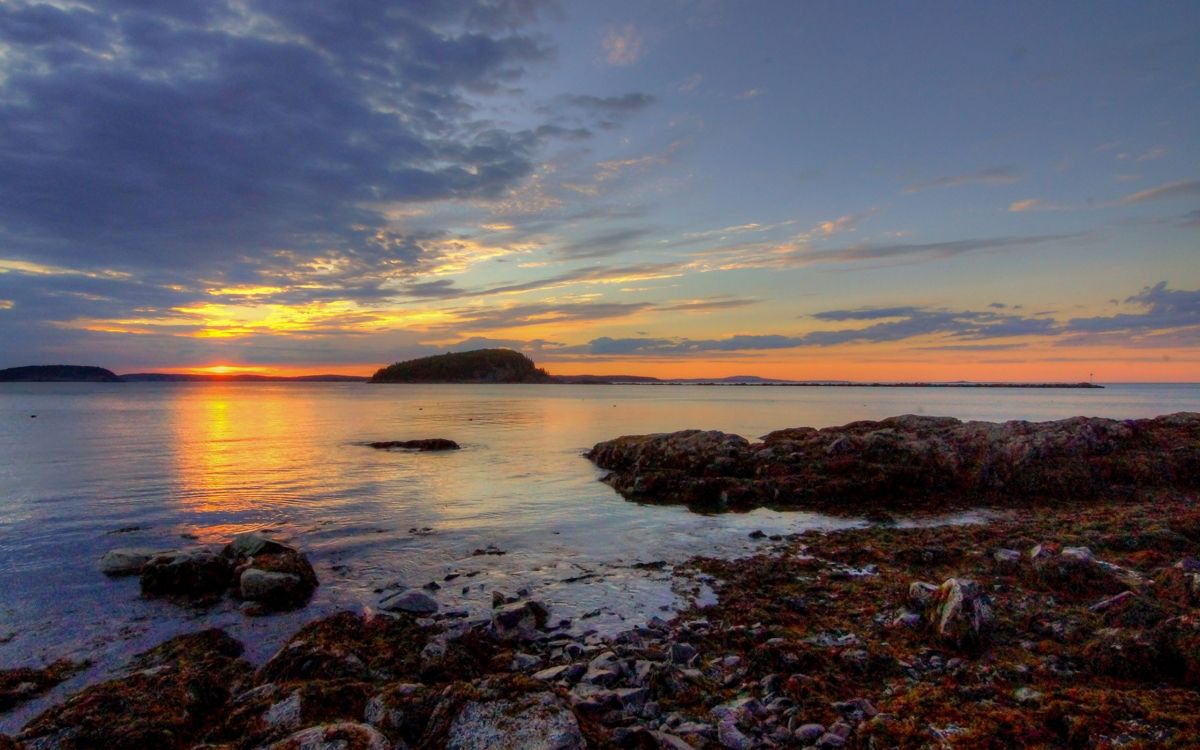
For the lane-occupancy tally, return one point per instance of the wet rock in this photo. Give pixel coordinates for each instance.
(496, 715)
(198, 575)
(22, 684)
(127, 561)
(731, 737)
(412, 601)
(426, 444)
(907, 462)
(171, 693)
(403, 710)
(961, 614)
(808, 734)
(347, 646)
(272, 711)
(269, 573)
(251, 543)
(340, 736)
(284, 590)
(520, 620)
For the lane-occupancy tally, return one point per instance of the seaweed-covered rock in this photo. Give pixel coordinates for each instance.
(272, 711)
(908, 462)
(170, 694)
(197, 575)
(22, 684)
(346, 645)
(961, 614)
(340, 736)
(402, 710)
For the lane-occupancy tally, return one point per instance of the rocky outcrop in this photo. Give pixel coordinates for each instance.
(908, 462)
(269, 575)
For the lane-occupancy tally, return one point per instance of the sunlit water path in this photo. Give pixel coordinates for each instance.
(140, 464)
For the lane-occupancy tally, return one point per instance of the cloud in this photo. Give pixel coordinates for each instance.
(751, 94)
(148, 135)
(1029, 204)
(545, 313)
(603, 245)
(692, 83)
(1160, 308)
(610, 106)
(800, 252)
(1180, 189)
(1192, 219)
(706, 305)
(622, 46)
(992, 176)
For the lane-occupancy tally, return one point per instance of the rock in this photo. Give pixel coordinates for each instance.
(905, 462)
(682, 653)
(668, 741)
(264, 586)
(412, 601)
(535, 721)
(23, 683)
(251, 543)
(343, 735)
(127, 561)
(198, 575)
(731, 737)
(403, 709)
(1109, 603)
(1125, 653)
(1006, 559)
(808, 734)
(273, 711)
(520, 620)
(961, 614)
(171, 693)
(1027, 696)
(921, 594)
(347, 646)
(425, 444)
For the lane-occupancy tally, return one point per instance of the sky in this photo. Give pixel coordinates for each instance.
(807, 190)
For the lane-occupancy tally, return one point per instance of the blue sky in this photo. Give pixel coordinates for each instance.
(942, 190)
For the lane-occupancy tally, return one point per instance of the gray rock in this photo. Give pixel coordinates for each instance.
(731, 737)
(552, 674)
(261, 585)
(1027, 696)
(337, 736)
(252, 543)
(668, 741)
(961, 613)
(1006, 558)
(192, 574)
(127, 561)
(412, 601)
(920, 594)
(520, 620)
(809, 733)
(537, 722)
(682, 653)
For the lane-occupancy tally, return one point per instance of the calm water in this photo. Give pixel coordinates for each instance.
(209, 460)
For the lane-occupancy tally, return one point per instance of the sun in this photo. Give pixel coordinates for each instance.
(227, 369)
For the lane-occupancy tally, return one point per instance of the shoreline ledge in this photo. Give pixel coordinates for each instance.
(907, 464)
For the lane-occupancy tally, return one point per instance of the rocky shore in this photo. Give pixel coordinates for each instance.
(1073, 623)
(1063, 626)
(907, 463)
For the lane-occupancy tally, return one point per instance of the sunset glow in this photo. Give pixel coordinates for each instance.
(611, 189)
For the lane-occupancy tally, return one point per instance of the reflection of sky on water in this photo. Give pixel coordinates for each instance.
(105, 466)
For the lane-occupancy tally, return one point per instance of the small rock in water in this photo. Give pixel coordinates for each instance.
(426, 444)
(414, 602)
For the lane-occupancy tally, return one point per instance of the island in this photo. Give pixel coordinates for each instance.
(478, 366)
(58, 374)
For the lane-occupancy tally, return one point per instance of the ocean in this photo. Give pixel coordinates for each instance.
(170, 465)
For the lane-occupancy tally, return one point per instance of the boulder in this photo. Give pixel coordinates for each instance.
(348, 646)
(519, 620)
(412, 601)
(961, 614)
(25, 683)
(251, 543)
(127, 561)
(535, 721)
(198, 575)
(344, 735)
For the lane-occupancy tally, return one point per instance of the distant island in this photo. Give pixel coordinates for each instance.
(58, 374)
(478, 366)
